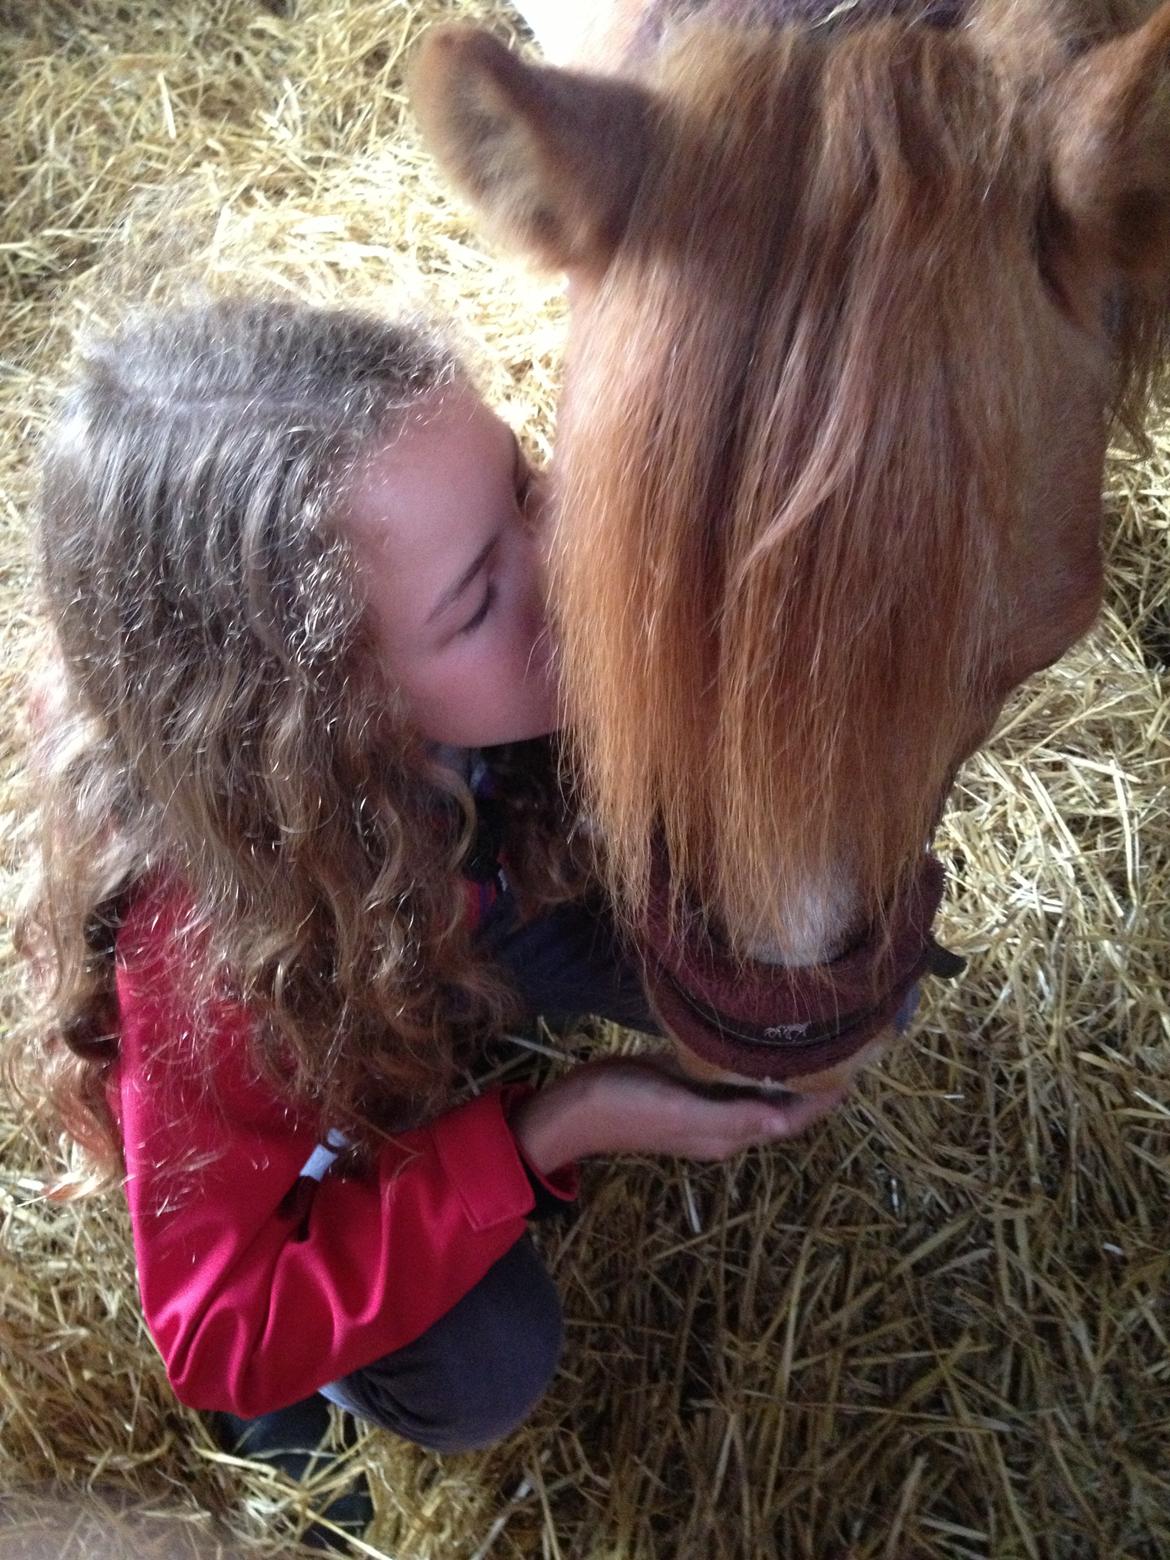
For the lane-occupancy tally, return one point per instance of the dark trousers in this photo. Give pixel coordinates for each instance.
(478, 1372)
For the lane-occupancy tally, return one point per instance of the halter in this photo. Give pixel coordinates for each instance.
(775, 1022)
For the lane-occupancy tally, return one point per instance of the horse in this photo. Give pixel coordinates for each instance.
(856, 293)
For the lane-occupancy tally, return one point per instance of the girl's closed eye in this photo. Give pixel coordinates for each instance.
(524, 485)
(489, 599)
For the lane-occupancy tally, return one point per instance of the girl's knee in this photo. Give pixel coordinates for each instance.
(476, 1374)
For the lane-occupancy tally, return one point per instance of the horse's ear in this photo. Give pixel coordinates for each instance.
(1111, 156)
(551, 158)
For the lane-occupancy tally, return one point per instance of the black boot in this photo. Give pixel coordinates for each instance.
(290, 1439)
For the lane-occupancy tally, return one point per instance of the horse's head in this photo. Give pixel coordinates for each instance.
(852, 307)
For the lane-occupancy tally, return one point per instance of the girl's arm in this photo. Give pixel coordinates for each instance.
(260, 1282)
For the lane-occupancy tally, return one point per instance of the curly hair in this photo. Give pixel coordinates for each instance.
(225, 726)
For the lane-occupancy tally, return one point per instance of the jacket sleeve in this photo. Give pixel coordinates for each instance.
(263, 1273)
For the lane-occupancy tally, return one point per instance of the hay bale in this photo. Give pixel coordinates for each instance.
(938, 1328)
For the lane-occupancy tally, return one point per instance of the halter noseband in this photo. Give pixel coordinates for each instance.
(774, 1022)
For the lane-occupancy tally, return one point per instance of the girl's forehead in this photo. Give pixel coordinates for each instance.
(424, 502)
(435, 466)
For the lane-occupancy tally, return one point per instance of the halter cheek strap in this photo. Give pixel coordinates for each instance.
(770, 1021)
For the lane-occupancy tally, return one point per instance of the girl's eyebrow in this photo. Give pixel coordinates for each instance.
(453, 592)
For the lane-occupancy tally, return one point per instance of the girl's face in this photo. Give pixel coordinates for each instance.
(444, 527)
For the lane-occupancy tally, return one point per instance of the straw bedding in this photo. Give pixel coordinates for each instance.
(938, 1327)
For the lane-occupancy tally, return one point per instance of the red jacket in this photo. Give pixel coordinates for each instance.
(264, 1274)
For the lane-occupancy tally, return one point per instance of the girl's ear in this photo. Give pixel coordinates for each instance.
(551, 158)
(1111, 149)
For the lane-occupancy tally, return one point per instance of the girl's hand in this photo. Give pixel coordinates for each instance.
(642, 1107)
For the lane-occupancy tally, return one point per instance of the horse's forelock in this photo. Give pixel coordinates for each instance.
(779, 602)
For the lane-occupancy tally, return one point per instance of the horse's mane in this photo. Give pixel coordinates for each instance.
(779, 606)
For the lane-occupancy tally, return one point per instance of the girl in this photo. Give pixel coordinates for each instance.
(303, 851)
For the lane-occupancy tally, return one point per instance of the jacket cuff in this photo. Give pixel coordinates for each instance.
(481, 1159)
(555, 1191)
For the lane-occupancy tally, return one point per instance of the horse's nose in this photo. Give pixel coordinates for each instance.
(823, 1082)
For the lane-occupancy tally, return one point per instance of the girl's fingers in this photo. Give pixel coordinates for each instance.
(719, 1130)
(801, 1110)
(630, 1106)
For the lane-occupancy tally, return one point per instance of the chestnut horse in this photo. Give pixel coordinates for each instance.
(856, 290)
